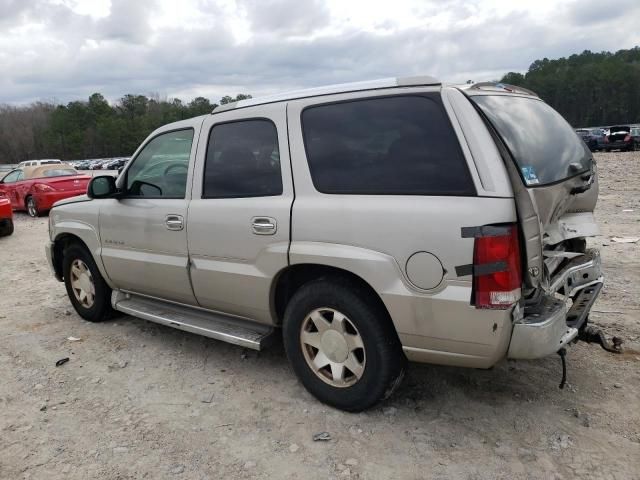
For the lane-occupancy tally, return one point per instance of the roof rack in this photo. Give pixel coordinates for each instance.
(422, 80)
(501, 87)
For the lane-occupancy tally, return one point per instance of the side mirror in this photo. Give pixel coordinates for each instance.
(103, 186)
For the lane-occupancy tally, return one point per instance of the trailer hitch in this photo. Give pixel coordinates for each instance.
(589, 334)
(592, 334)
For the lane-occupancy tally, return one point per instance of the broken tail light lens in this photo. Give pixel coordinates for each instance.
(497, 277)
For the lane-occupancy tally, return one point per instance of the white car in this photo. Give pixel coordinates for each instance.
(38, 163)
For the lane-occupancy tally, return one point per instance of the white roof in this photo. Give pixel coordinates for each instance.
(331, 89)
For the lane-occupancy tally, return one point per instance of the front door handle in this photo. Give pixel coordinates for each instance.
(174, 222)
(263, 225)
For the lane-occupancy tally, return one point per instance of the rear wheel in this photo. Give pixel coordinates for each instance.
(87, 290)
(6, 227)
(342, 345)
(32, 207)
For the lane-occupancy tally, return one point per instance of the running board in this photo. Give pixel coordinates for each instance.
(213, 325)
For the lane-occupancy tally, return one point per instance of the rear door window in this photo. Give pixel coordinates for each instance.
(401, 145)
(243, 160)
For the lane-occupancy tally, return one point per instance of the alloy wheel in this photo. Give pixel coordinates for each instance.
(333, 347)
(82, 283)
(31, 207)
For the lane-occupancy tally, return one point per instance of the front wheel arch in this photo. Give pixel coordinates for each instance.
(61, 243)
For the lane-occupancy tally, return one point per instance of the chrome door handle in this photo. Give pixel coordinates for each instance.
(263, 225)
(174, 222)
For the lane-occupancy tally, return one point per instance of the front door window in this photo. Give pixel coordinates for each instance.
(160, 169)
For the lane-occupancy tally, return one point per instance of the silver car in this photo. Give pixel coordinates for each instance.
(367, 224)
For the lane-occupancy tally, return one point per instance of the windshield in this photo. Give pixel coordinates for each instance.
(543, 144)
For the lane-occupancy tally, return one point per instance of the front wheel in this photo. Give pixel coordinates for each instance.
(6, 227)
(342, 346)
(32, 207)
(87, 290)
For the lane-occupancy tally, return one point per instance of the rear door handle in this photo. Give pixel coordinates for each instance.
(174, 222)
(264, 225)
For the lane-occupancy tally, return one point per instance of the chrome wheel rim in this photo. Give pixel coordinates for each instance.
(82, 283)
(332, 347)
(31, 207)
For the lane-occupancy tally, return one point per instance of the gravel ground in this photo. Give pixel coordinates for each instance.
(138, 400)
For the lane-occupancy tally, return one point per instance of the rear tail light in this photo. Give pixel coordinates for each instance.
(497, 276)
(42, 188)
(627, 138)
(606, 139)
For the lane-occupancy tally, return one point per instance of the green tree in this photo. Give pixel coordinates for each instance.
(588, 89)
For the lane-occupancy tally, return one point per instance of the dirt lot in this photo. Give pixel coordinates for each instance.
(138, 400)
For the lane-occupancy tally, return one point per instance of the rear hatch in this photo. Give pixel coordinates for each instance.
(554, 179)
(619, 134)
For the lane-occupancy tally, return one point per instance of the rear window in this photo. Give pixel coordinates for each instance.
(401, 145)
(59, 172)
(542, 143)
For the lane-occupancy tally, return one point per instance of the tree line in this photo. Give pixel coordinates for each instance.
(92, 128)
(588, 89)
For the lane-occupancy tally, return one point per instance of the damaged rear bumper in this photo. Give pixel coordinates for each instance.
(554, 319)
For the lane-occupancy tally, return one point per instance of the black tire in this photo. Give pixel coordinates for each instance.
(101, 308)
(385, 362)
(32, 207)
(6, 227)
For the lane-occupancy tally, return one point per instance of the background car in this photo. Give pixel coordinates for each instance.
(635, 134)
(593, 137)
(619, 138)
(6, 216)
(38, 163)
(115, 164)
(36, 189)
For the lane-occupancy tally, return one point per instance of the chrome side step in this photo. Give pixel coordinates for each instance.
(214, 325)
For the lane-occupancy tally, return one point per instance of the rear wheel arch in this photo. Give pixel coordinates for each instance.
(293, 277)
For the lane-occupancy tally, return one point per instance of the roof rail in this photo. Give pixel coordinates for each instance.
(502, 87)
(422, 80)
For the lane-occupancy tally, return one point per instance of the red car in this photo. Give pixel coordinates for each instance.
(36, 189)
(6, 216)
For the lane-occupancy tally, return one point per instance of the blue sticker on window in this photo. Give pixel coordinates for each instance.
(529, 174)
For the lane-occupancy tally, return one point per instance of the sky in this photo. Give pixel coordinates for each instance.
(65, 50)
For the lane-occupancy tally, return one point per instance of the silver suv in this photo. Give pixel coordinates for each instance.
(370, 223)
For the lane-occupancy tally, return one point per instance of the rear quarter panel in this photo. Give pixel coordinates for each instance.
(374, 236)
